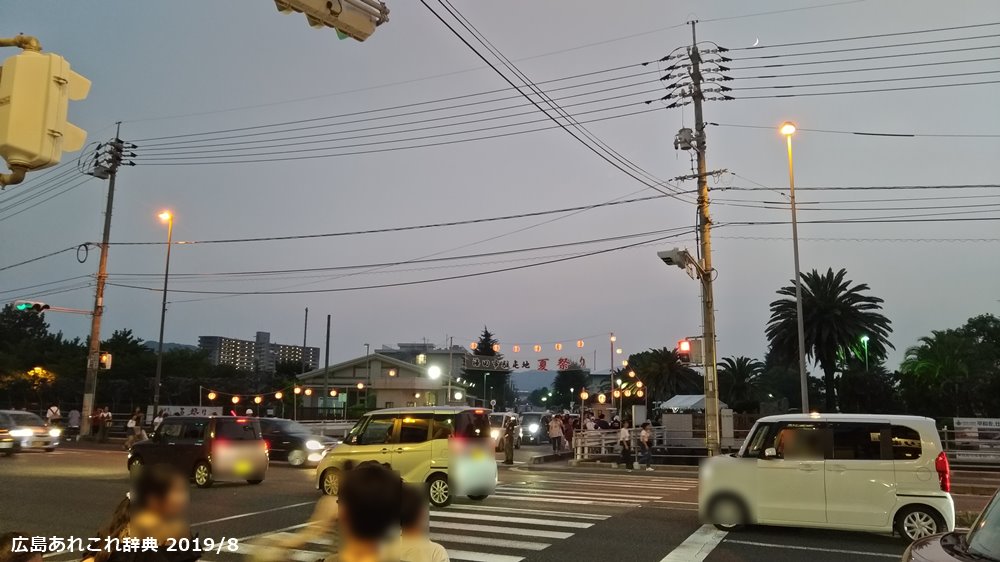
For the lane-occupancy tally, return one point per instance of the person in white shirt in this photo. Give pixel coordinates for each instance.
(625, 441)
(414, 521)
(53, 415)
(646, 446)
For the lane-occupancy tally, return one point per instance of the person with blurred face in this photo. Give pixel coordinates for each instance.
(368, 507)
(156, 507)
(414, 522)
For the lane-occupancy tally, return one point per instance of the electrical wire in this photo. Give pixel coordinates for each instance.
(865, 133)
(874, 57)
(879, 36)
(859, 239)
(870, 187)
(19, 289)
(42, 257)
(49, 198)
(870, 47)
(877, 90)
(876, 80)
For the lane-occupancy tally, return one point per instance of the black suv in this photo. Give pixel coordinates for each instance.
(291, 441)
(207, 448)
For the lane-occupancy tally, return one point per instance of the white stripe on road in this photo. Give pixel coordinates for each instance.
(568, 496)
(676, 502)
(504, 519)
(815, 549)
(500, 530)
(521, 497)
(605, 484)
(575, 494)
(488, 541)
(252, 513)
(698, 546)
(482, 556)
(503, 509)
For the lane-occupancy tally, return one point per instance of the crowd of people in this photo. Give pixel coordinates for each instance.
(379, 519)
(561, 429)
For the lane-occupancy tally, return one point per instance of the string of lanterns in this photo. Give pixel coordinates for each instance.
(537, 348)
(258, 398)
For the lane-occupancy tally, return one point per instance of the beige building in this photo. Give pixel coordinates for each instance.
(386, 382)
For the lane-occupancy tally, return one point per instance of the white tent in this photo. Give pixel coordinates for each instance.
(686, 402)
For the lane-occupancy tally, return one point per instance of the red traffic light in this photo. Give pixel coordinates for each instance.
(684, 346)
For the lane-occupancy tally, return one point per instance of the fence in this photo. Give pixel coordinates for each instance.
(669, 446)
(967, 446)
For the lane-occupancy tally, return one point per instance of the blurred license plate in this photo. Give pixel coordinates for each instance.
(37, 443)
(242, 467)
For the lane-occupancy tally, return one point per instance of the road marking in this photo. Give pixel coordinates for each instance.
(503, 509)
(252, 513)
(698, 546)
(605, 484)
(488, 541)
(676, 502)
(501, 518)
(540, 499)
(573, 493)
(501, 530)
(482, 556)
(814, 549)
(595, 499)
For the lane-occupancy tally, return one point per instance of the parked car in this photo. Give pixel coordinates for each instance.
(29, 430)
(535, 427)
(448, 449)
(498, 421)
(289, 440)
(7, 444)
(835, 471)
(207, 448)
(980, 542)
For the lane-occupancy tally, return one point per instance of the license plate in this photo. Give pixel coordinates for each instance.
(242, 467)
(38, 444)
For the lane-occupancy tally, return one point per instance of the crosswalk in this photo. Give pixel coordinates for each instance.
(523, 517)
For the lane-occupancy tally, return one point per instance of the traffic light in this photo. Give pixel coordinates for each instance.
(35, 89)
(31, 306)
(104, 361)
(351, 18)
(684, 351)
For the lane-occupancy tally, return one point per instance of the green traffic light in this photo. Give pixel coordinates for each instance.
(23, 306)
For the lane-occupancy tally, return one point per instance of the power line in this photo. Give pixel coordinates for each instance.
(19, 289)
(878, 36)
(32, 260)
(877, 90)
(875, 80)
(865, 133)
(49, 198)
(870, 47)
(873, 57)
(875, 68)
(870, 187)
(860, 239)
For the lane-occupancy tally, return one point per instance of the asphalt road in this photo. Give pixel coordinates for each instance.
(539, 513)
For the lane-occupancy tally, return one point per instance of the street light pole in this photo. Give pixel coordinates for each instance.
(788, 129)
(167, 217)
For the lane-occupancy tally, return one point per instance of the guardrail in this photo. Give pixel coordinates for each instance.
(668, 446)
(971, 447)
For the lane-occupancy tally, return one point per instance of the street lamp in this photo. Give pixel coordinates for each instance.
(864, 342)
(434, 372)
(168, 218)
(788, 129)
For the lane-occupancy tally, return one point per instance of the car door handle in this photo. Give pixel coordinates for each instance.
(807, 467)
(385, 450)
(837, 467)
(399, 450)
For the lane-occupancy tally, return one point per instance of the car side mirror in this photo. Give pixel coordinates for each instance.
(770, 453)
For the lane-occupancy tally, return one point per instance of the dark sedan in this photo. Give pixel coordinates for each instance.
(978, 544)
(291, 441)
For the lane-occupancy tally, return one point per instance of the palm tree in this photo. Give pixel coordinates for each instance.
(738, 381)
(937, 372)
(836, 315)
(663, 373)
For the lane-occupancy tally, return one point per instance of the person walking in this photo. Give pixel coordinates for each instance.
(568, 426)
(133, 428)
(625, 441)
(616, 423)
(646, 446)
(53, 416)
(103, 424)
(602, 423)
(157, 419)
(556, 433)
(509, 429)
(73, 425)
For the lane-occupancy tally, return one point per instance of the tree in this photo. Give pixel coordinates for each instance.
(535, 397)
(836, 315)
(494, 384)
(870, 389)
(663, 374)
(739, 379)
(567, 385)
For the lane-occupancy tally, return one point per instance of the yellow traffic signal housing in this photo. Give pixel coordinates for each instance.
(35, 89)
(353, 18)
(104, 360)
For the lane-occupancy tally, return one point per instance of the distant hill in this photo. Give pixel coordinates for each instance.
(169, 346)
(530, 380)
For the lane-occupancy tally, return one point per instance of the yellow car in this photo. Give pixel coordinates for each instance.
(447, 449)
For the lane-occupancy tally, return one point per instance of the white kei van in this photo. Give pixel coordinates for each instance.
(834, 471)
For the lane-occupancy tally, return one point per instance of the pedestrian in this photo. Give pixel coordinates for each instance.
(646, 446)
(602, 422)
(556, 433)
(509, 429)
(568, 426)
(590, 425)
(73, 425)
(368, 509)
(133, 429)
(414, 523)
(103, 424)
(616, 423)
(53, 416)
(155, 508)
(625, 442)
(11, 545)
(157, 419)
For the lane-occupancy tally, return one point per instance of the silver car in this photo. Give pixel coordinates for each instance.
(29, 430)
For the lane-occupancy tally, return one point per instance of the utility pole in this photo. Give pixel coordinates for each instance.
(326, 371)
(106, 166)
(305, 334)
(705, 233)
(451, 363)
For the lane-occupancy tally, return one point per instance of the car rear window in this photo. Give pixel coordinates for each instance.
(236, 429)
(905, 443)
(857, 441)
(473, 424)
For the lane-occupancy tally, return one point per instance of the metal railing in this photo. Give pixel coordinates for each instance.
(668, 446)
(967, 446)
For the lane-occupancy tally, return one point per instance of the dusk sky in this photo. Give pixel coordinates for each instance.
(182, 67)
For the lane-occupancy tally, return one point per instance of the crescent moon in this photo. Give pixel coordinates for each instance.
(756, 42)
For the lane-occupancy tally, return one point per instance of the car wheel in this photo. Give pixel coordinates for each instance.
(255, 481)
(49, 449)
(134, 466)
(439, 490)
(203, 475)
(9, 452)
(918, 521)
(479, 498)
(297, 458)
(727, 513)
(330, 481)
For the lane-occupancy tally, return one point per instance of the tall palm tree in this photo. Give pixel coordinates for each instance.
(663, 373)
(940, 368)
(738, 381)
(836, 314)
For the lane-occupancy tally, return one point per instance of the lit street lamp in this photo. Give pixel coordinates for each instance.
(788, 129)
(864, 342)
(168, 218)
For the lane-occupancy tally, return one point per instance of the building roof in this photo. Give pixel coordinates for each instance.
(363, 360)
(687, 402)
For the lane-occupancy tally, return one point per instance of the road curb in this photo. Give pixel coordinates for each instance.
(551, 457)
(972, 490)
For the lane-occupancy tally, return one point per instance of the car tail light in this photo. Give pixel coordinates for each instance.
(267, 446)
(943, 471)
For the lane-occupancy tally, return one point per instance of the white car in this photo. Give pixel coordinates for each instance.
(833, 471)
